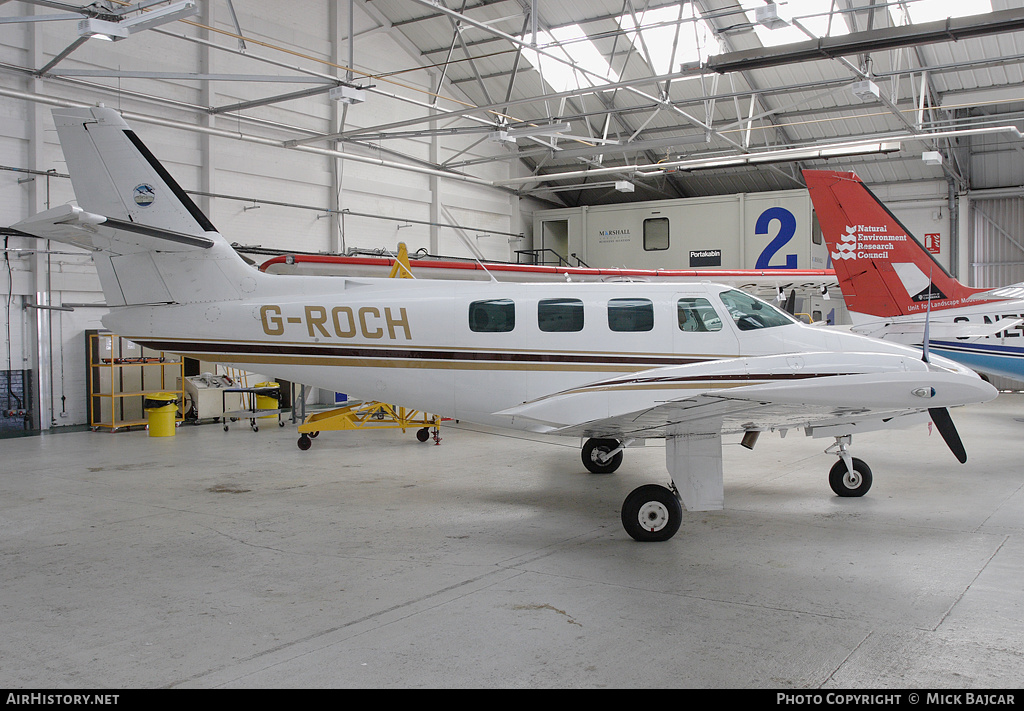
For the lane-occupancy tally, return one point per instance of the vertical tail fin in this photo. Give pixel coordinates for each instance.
(151, 243)
(882, 269)
(115, 175)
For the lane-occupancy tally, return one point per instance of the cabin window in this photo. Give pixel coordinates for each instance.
(560, 315)
(751, 313)
(697, 315)
(492, 316)
(630, 315)
(656, 234)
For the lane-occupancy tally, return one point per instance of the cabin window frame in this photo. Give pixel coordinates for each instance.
(492, 316)
(635, 318)
(560, 315)
(697, 315)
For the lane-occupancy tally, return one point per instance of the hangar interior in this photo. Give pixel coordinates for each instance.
(465, 130)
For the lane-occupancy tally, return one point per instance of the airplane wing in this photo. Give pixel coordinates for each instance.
(826, 394)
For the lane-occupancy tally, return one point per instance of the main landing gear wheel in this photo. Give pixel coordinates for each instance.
(652, 513)
(846, 484)
(595, 456)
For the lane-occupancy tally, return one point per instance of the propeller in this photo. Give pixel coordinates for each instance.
(940, 415)
(944, 423)
(791, 303)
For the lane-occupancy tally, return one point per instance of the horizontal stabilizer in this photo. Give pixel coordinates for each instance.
(1012, 291)
(941, 330)
(73, 225)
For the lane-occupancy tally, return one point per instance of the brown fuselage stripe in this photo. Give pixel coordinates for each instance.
(330, 355)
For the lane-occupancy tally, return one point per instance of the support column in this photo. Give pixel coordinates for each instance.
(335, 241)
(207, 167)
(39, 319)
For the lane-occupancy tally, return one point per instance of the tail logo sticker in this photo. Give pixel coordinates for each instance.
(866, 242)
(144, 195)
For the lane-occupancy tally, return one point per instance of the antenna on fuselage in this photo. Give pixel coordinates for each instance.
(476, 256)
(927, 321)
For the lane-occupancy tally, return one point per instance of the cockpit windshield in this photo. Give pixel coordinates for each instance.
(751, 313)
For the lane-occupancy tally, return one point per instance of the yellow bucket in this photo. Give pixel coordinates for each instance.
(161, 411)
(267, 402)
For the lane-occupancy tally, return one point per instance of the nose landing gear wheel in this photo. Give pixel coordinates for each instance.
(651, 513)
(846, 484)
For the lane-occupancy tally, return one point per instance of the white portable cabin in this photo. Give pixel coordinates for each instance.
(763, 231)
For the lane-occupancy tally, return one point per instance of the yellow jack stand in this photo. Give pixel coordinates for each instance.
(370, 416)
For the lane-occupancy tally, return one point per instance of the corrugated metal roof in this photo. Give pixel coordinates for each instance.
(477, 56)
(690, 115)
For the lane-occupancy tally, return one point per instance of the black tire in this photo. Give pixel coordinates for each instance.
(305, 443)
(592, 448)
(843, 484)
(314, 435)
(423, 434)
(651, 513)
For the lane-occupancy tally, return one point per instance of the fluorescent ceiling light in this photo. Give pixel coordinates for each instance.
(836, 150)
(788, 155)
(101, 29)
(865, 90)
(772, 16)
(509, 135)
(812, 14)
(544, 129)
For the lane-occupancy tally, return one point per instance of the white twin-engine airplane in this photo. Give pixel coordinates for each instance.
(892, 286)
(611, 363)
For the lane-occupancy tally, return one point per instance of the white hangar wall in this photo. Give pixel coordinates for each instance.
(255, 193)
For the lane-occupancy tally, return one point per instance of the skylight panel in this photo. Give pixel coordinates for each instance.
(812, 14)
(931, 10)
(653, 34)
(570, 44)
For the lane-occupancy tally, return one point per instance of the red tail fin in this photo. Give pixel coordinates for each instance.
(882, 270)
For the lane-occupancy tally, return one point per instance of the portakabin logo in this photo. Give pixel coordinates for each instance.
(847, 245)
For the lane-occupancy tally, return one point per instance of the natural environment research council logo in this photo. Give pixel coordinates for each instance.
(847, 245)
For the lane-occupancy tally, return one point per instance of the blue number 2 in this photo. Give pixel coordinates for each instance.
(787, 228)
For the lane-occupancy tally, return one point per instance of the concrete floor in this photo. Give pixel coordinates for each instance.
(233, 559)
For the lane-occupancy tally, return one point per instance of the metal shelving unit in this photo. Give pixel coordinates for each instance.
(121, 375)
